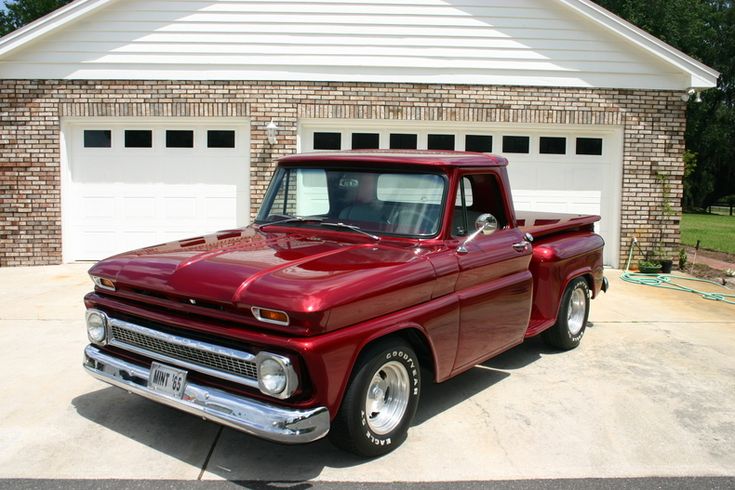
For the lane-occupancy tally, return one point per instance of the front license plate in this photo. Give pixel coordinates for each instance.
(167, 380)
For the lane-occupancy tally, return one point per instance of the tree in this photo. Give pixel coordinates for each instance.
(705, 30)
(18, 13)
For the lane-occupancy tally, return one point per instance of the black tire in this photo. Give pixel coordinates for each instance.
(359, 432)
(566, 334)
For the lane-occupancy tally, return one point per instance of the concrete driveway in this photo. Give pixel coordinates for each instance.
(650, 392)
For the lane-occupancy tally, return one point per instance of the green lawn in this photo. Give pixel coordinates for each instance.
(714, 231)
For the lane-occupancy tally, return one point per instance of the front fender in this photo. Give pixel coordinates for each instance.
(331, 358)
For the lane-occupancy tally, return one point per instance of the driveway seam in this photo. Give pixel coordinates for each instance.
(209, 454)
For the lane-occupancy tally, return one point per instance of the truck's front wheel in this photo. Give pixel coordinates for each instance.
(572, 321)
(380, 402)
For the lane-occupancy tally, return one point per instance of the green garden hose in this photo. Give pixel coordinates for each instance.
(666, 281)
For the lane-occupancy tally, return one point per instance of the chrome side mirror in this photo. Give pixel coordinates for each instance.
(486, 224)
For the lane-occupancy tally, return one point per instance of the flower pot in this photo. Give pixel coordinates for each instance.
(649, 267)
(666, 266)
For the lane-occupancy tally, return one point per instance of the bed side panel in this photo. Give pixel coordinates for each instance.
(556, 261)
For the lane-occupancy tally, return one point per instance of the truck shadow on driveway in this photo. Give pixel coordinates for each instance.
(238, 457)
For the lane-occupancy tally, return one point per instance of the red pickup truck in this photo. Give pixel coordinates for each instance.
(363, 275)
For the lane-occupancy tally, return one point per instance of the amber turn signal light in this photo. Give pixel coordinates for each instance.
(270, 316)
(104, 283)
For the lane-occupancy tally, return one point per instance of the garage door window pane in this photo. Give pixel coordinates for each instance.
(441, 142)
(478, 143)
(179, 139)
(327, 141)
(136, 138)
(516, 144)
(97, 138)
(589, 146)
(365, 141)
(400, 141)
(220, 139)
(553, 146)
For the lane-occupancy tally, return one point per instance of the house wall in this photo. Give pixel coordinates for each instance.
(30, 111)
(490, 42)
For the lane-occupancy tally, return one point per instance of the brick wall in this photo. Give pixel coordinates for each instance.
(30, 111)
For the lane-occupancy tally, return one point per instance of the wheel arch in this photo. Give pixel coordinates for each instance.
(411, 333)
(586, 274)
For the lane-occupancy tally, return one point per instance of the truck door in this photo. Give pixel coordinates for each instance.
(494, 285)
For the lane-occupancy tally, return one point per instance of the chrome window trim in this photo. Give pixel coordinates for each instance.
(184, 342)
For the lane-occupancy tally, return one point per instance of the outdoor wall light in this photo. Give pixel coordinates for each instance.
(691, 92)
(271, 130)
(688, 95)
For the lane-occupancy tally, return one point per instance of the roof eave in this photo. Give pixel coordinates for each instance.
(702, 76)
(49, 23)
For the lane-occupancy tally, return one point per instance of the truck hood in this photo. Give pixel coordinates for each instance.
(322, 284)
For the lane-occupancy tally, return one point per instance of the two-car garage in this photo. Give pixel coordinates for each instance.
(137, 182)
(134, 183)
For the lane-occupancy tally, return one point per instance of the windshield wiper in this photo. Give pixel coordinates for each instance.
(351, 227)
(294, 219)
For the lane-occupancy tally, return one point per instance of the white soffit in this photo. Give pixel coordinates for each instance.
(565, 43)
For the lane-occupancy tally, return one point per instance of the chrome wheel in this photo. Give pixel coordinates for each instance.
(387, 397)
(576, 311)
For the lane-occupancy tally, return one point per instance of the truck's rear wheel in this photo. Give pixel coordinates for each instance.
(380, 402)
(572, 321)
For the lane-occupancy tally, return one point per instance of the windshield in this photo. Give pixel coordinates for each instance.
(374, 201)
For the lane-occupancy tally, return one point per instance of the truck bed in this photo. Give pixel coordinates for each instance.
(563, 245)
(540, 224)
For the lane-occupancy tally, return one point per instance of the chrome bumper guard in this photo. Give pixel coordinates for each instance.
(271, 422)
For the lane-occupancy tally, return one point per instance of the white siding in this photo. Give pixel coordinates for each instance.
(525, 42)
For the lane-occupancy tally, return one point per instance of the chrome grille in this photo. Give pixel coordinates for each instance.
(211, 359)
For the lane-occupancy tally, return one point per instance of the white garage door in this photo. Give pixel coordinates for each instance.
(566, 169)
(146, 181)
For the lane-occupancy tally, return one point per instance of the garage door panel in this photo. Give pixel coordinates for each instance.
(585, 178)
(93, 207)
(581, 202)
(95, 241)
(138, 208)
(121, 198)
(179, 208)
(218, 208)
(524, 177)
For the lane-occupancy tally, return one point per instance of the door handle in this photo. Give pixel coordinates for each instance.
(520, 246)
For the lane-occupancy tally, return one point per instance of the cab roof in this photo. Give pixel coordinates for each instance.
(394, 157)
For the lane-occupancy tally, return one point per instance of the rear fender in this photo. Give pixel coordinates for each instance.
(585, 273)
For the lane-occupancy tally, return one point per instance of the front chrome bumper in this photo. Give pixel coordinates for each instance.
(279, 424)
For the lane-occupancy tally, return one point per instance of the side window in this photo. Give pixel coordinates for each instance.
(477, 194)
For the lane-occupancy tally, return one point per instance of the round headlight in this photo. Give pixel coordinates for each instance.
(272, 376)
(96, 326)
